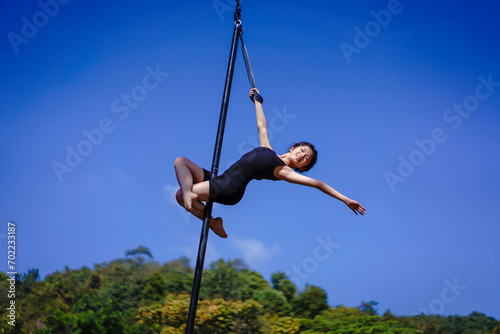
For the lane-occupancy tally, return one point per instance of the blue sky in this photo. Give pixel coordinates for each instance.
(401, 99)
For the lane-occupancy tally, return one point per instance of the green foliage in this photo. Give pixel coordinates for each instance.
(230, 280)
(102, 321)
(134, 296)
(435, 324)
(368, 308)
(284, 325)
(213, 316)
(282, 283)
(310, 302)
(253, 281)
(27, 282)
(155, 288)
(140, 250)
(273, 301)
(332, 321)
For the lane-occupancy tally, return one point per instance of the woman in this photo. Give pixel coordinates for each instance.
(260, 163)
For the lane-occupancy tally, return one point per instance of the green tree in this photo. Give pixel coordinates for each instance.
(252, 282)
(155, 287)
(272, 301)
(310, 302)
(94, 314)
(473, 323)
(341, 312)
(26, 282)
(368, 308)
(138, 253)
(177, 282)
(58, 321)
(34, 306)
(214, 316)
(284, 325)
(224, 279)
(94, 281)
(389, 316)
(350, 320)
(127, 296)
(70, 285)
(181, 265)
(282, 283)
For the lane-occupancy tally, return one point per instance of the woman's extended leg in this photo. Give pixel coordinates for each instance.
(193, 191)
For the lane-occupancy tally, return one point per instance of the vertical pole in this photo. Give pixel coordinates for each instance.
(215, 166)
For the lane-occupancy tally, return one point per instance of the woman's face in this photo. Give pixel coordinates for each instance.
(300, 156)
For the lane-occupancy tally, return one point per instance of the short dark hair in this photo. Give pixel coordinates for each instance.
(314, 157)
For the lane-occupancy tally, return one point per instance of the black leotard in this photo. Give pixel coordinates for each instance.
(257, 164)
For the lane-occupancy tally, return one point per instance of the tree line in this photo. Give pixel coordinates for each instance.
(137, 295)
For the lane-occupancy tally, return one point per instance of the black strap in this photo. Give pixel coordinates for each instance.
(251, 78)
(257, 97)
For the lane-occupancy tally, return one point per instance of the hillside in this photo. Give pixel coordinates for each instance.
(136, 295)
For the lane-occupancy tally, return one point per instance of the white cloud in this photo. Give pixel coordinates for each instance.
(255, 253)
(170, 191)
(191, 252)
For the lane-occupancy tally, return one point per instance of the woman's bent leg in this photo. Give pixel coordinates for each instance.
(193, 191)
(198, 210)
(188, 173)
(197, 207)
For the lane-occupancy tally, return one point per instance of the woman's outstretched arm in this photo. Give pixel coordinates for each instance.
(287, 174)
(261, 121)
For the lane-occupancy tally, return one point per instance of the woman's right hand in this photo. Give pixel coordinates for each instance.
(255, 96)
(252, 92)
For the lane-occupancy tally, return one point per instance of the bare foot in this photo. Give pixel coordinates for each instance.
(188, 197)
(216, 227)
